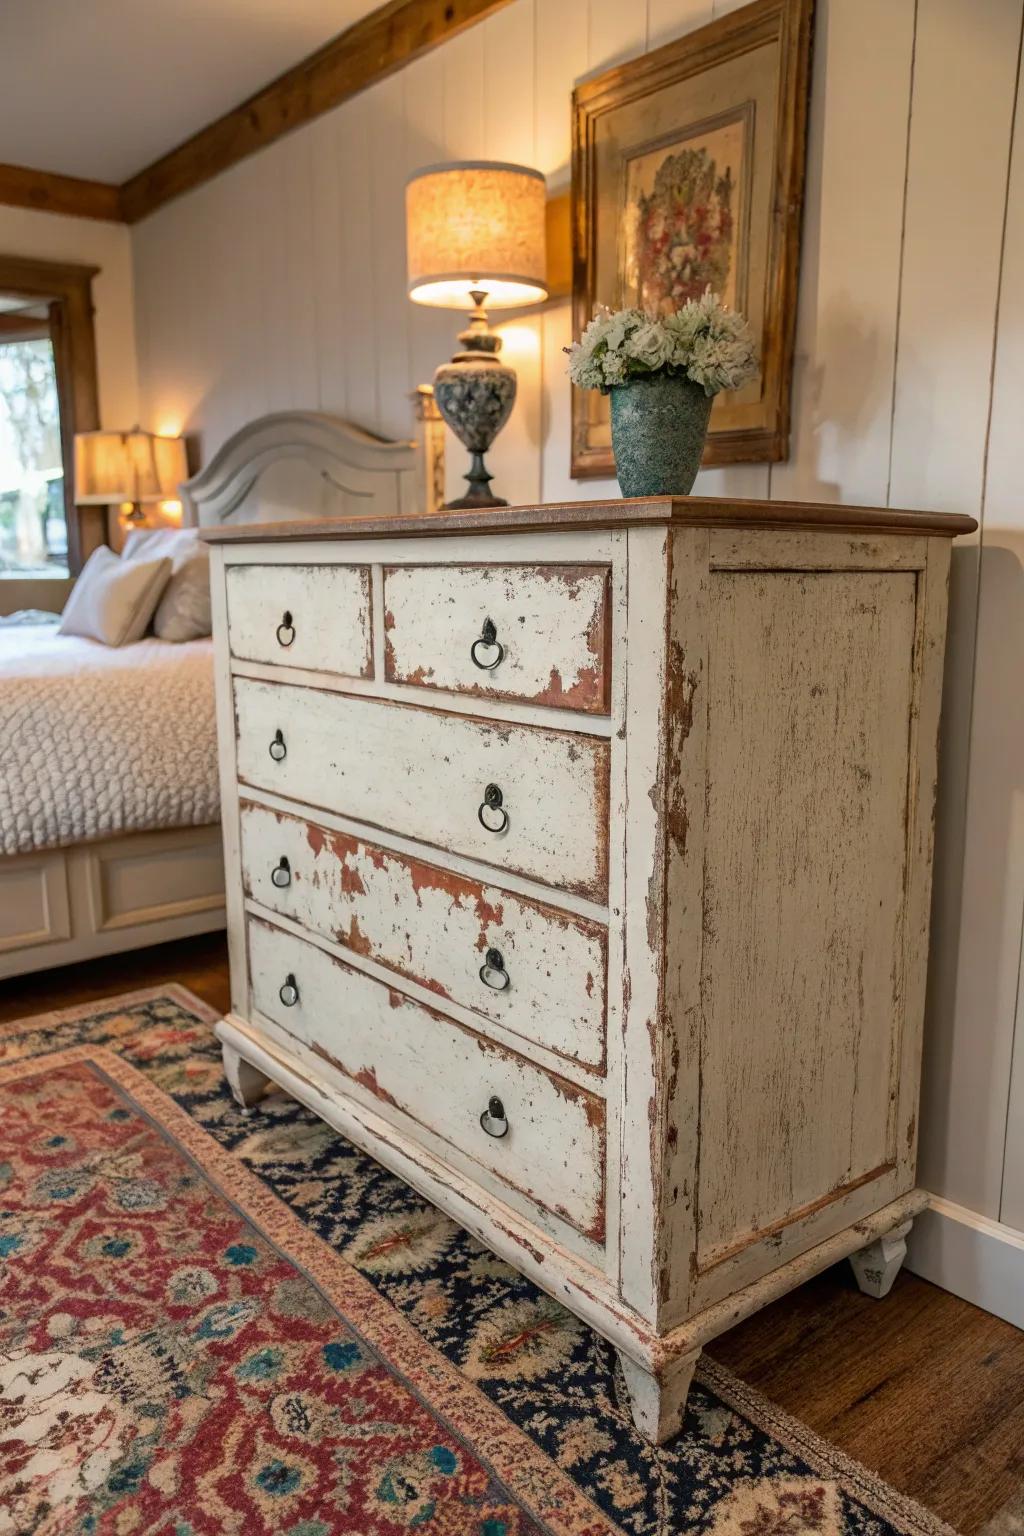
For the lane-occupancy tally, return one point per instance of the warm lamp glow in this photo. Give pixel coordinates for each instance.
(132, 467)
(476, 225)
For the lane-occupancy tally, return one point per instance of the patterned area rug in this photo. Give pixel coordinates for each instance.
(218, 1322)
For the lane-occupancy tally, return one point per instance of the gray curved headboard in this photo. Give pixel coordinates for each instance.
(303, 464)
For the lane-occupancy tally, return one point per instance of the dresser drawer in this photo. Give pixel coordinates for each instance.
(537, 633)
(427, 775)
(517, 962)
(438, 1075)
(313, 616)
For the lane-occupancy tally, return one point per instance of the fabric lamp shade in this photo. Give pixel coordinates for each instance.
(131, 466)
(476, 225)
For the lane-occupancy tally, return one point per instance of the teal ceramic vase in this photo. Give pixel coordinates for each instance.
(658, 429)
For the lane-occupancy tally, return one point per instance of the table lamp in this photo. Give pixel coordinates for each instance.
(128, 468)
(475, 235)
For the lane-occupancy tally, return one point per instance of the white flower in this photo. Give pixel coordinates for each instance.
(704, 341)
(649, 345)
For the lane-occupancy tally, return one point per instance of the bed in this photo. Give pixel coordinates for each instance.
(109, 798)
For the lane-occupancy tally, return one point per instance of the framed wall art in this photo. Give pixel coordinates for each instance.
(688, 169)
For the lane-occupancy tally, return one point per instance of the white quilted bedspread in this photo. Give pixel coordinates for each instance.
(95, 741)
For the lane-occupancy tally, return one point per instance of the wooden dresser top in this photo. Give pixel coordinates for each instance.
(557, 516)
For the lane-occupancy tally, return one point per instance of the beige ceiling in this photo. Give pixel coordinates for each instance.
(101, 88)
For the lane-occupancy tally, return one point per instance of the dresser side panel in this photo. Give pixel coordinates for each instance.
(811, 709)
(933, 610)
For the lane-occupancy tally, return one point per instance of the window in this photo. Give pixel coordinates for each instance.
(33, 524)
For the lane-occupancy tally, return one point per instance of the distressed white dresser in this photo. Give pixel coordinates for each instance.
(579, 867)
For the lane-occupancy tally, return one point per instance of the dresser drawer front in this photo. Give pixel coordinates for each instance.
(437, 928)
(425, 774)
(311, 616)
(438, 1075)
(536, 633)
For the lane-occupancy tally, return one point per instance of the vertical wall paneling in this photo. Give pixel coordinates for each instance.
(299, 306)
(959, 134)
(560, 58)
(386, 110)
(850, 260)
(617, 32)
(509, 134)
(353, 170)
(242, 222)
(465, 85)
(669, 19)
(993, 888)
(327, 146)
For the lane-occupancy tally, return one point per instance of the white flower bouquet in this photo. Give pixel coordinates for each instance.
(704, 342)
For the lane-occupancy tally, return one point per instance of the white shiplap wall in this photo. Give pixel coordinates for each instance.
(282, 283)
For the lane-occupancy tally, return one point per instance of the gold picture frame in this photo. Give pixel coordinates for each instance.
(688, 169)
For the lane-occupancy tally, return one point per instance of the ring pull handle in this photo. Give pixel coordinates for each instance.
(492, 802)
(286, 630)
(488, 641)
(277, 749)
(289, 993)
(281, 874)
(493, 1118)
(493, 973)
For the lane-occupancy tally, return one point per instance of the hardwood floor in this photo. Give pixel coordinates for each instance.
(923, 1388)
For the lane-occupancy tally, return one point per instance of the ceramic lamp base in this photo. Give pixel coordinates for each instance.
(475, 394)
(478, 495)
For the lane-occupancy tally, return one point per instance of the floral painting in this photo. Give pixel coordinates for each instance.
(688, 171)
(682, 220)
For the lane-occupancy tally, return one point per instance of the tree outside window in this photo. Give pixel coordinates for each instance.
(33, 530)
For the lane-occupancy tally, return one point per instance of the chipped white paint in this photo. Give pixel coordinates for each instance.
(433, 1072)
(805, 856)
(876, 1267)
(433, 926)
(658, 1402)
(247, 1083)
(753, 814)
(425, 774)
(550, 626)
(312, 616)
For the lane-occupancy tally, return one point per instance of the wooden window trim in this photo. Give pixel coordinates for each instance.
(67, 289)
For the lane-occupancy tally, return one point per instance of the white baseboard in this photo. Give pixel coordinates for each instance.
(978, 1259)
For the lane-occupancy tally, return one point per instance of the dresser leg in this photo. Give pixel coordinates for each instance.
(659, 1402)
(876, 1268)
(246, 1082)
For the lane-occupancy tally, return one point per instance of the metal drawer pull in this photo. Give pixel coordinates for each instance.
(489, 641)
(286, 630)
(281, 874)
(289, 993)
(494, 967)
(492, 801)
(278, 750)
(493, 1118)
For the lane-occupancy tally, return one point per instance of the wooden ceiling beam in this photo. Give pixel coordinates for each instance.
(21, 187)
(373, 48)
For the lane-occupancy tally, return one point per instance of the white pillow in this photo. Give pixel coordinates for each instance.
(113, 600)
(184, 609)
